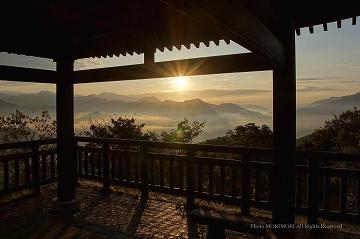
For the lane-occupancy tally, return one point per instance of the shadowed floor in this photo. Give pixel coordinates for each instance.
(118, 215)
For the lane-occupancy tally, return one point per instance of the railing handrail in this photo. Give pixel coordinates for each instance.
(173, 145)
(302, 154)
(313, 155)
(27, 143)
(327, 155)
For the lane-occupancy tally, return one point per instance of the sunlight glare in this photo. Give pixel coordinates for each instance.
(180, 83)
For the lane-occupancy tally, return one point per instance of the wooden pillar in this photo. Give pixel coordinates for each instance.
(65, 130)
(284, 125)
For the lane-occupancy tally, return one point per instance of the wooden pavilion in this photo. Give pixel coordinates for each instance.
(68, 30)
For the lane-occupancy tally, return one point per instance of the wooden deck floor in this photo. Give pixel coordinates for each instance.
(118, 215)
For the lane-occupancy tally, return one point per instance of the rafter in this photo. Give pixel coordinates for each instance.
(240, 24)
(13, 73)
(197, 66)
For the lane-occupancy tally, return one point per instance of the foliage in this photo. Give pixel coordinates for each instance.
(184, 132)
(340, 134)
(127, 128)
(120, 128)
(21, 127)
(249, 135)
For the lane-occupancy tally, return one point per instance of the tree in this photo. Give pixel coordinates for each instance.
(120, 128)
(340, 134)
(184, 132)
(21, 127)
(249, 135)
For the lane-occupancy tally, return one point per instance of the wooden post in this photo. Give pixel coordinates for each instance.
(284, 125)
(312, 191)
(190, 180)
(35, 169)
(65, 130)
(106, 168)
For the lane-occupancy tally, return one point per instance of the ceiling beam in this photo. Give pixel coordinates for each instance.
(233, 19)
(20, 74)
(188, 67)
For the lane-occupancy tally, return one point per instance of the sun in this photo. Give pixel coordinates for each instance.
(180, 82)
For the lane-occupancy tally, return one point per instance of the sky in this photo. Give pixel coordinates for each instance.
(328, 64)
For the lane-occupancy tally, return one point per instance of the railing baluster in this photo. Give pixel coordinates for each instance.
(113, 163)
(222, 180)
(87, 164)
(152, 171)
(171, 176)
(106, 168)
(6, 175)
(52, 165)
(190, 180)
(200, 176)
(27, 171)
(80, 154)
(99, 165)
(161, 161)
(35, 169)
(245, 185)
(181, 174)
(44, 168)
(16, 171)
(326, 193)
(93, 164)
(144, 175)
(211, 179)
(234, 182)
(136, 169)
(119, 166)
(257, 184)
(343, 193)
(358, 195)
(298, 190)
(127, 167)
(312, 194)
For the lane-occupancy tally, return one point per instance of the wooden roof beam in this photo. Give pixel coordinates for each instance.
(197, 66)
(20, 74)
(239, 24)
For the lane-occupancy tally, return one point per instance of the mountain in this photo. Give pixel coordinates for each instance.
(6, 107)
(155, 112)
(114, 96)
(336, 104)
(30, 99)
(314, 115)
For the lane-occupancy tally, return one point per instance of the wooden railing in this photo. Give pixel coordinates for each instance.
(327, 184)
(27, 165)
(229, 174)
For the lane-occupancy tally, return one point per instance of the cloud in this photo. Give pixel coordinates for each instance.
(314, 88)
(13, 83)
(300, 80)
(355, 65)
(87, 63)
(336, 79)
(351, 81)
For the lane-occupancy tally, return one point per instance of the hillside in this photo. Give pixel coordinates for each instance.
(158, 113)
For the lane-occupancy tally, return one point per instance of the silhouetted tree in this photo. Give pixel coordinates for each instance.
(184, 132)
(340, 134)
(120, 128)
(249, 135)
(21, 127)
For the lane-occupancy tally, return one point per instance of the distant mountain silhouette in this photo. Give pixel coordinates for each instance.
(6, 107)
(114, 96)
(315, 114)
(222, 116)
